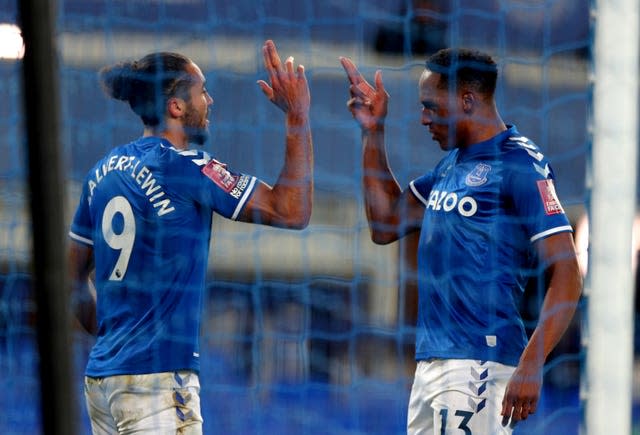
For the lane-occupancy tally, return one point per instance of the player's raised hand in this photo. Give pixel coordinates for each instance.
(367, 104)
(289, 89)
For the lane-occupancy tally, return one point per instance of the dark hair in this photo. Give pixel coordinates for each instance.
(469, 68)
(148, 83)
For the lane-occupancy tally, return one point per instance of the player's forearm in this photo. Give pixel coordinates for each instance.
(381, 190)
(294, 188)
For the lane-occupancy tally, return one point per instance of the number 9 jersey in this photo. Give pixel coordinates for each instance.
(146, 210)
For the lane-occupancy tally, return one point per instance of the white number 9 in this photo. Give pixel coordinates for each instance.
(123, 241)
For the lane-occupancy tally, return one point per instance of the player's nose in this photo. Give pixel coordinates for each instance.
(425, 119)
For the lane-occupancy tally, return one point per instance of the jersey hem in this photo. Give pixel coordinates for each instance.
(502, 359)
(137, 371)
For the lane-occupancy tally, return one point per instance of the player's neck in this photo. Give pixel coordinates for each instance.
(488, 128)
(177, 138)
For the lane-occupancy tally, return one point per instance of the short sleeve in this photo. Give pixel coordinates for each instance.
(531, 186)
(224, 190)
(421, 187)
(81, 225)
(211, 183)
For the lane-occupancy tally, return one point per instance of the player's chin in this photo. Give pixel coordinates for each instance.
(441, 143)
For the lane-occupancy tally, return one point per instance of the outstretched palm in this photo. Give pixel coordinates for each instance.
(289, 89)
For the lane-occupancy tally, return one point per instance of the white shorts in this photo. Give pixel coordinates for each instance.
(157, 403)
(458, 396)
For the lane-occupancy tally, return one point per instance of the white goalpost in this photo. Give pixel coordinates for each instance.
(612, 177)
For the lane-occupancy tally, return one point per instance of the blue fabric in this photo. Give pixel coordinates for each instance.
(146, 208)
(485, 206)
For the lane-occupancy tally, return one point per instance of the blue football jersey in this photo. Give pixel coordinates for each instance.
(146, 209)
(485, 206)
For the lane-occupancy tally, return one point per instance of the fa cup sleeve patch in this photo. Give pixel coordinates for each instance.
(233, 184)
(550, 200)
(218, 173)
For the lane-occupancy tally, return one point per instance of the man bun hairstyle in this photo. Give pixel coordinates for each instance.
(470, 68)
(148, 83)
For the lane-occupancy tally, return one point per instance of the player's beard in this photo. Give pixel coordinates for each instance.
(195, 125)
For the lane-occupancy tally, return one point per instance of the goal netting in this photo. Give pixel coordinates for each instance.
(309, 331)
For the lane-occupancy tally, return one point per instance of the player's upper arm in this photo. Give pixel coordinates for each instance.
(411, 209)
(556, 247)
(81, 264)
(404, 214)
(405, 217)
(80, 257)
(558, 255)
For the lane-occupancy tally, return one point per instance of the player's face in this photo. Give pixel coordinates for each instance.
(195, 121)
(439, 111)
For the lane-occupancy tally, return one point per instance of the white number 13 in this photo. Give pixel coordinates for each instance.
(122, 241)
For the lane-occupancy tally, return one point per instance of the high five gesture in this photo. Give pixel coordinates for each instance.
(368, 104)
(289, 89)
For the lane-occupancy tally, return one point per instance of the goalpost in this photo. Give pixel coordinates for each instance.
(46, 189)
(609, 286)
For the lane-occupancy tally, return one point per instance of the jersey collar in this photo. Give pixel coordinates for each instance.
(153, 140)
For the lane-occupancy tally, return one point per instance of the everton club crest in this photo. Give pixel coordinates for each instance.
(478, 176)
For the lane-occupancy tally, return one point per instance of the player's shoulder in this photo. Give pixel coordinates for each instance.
(523, 159)
(518, 149)
(190, 160)
(102, 163)
(518, 142)
(195, 157)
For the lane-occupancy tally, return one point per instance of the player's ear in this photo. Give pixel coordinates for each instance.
(468, 101)
(176, 107)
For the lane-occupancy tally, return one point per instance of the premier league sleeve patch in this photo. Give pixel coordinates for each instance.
(549, 198)
(219, 174)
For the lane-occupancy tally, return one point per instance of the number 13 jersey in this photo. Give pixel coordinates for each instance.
(485, 206)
